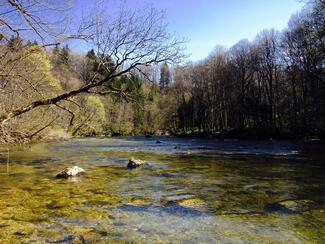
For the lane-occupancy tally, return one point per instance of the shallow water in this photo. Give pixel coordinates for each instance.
(193, 191)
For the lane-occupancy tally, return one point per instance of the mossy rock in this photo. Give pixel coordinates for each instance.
(136, 163)
(195, 203)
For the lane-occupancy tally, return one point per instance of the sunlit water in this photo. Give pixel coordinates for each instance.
(193, 191)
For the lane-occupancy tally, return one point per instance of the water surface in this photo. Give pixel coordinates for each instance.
(193, 191)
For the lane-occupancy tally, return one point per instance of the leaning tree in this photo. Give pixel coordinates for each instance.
(131, 38)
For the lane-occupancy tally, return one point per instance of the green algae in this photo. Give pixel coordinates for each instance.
(36, 207)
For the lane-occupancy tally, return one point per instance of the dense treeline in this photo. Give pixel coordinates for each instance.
(272, 86)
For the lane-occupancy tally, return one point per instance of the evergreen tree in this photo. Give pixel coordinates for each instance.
(164, 76)
(91, 54)
(97, 67)
(64, 56)
(89, 70)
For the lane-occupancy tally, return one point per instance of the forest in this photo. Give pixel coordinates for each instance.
(273, 86)
(134, 78)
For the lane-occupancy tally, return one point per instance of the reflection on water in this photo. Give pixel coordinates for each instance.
(5, 158)
(192, 191)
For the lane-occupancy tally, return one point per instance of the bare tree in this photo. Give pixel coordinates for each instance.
(44, 20)
(131, 39)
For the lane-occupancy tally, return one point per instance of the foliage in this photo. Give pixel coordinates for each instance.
(95, 104)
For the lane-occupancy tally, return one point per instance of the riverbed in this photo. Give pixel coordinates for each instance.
(191, 191)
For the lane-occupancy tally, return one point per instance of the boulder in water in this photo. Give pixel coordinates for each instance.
(70, 172)
(135, 163)
(158, 142)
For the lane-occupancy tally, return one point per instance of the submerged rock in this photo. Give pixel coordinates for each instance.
(193, 203)
(184, 209)
(78, 239)
(277, 207)
(70, 172)
(135, 163)
(300, 205)
(289, 206)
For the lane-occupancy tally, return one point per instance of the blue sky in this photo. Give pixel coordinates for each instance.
(207, 23)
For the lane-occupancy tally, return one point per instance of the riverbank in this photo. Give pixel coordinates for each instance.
(8, 137)
(253, 134)
(256, 134)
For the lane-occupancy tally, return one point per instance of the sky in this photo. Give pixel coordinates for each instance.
(208, 23)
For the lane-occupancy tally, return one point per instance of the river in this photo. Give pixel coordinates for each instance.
(192, 191)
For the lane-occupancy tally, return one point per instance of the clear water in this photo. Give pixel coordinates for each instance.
(193, 191)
